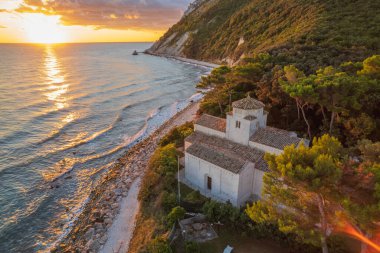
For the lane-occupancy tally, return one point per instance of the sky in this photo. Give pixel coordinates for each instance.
(59, 21)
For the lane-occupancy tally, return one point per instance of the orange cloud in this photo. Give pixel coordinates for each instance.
(110, 14)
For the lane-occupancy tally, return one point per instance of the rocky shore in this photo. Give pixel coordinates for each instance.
(92, 229)
(182, 59)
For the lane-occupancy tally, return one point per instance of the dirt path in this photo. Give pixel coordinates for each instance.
(121, 230)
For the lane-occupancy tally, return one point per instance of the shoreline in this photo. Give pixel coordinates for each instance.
(99, 222)
(104, 222)
(186, 60)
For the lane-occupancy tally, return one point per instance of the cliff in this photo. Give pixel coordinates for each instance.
(319, 32)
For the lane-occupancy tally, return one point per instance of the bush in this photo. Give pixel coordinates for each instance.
(194, 197)
(177, 213)
(192, 247)
(159, 245)
(169, 201)
(177, 135)
(164, 160)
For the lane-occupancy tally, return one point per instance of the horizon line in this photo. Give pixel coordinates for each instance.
(89, 42)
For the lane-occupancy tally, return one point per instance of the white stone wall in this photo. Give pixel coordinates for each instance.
(225, 184)
(245, 183)
(209, 131)
(239, 135)
(247, 127)
(265, 148)
(258, 182)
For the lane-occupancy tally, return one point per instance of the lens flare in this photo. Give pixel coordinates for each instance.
(350, 230)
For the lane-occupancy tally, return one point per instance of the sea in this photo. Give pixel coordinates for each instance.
(67, 113)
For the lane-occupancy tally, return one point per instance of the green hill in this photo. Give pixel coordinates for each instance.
(319, 32)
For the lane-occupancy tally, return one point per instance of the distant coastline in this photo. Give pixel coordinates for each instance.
(187, 60)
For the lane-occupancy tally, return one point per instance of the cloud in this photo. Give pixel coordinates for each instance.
(1, 26)
(111, 14)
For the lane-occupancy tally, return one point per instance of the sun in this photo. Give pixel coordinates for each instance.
(40, 28)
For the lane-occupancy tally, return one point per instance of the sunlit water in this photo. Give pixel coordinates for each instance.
(67, 112)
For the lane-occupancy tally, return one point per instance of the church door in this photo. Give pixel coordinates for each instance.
(209, 183)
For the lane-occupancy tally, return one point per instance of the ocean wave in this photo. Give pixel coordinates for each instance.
(155, 119)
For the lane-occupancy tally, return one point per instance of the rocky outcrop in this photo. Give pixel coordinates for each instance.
(172, 46)
(194, 5)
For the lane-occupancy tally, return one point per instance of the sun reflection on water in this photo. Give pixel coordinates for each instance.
(55, 80)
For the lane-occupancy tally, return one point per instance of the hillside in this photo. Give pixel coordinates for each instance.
(319, 32)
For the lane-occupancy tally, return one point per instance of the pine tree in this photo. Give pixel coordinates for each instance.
(299, 189)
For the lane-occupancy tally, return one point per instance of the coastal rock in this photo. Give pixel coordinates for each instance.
(119, 191)
(115, 206)
(98, 226)
(108, 221)
(90, 232)
(93, 245)
(109, 214)
(103, 239)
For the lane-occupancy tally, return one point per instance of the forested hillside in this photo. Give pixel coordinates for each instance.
(316, 66)
(311, 33)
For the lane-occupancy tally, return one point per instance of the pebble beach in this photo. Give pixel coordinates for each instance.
(108, 219)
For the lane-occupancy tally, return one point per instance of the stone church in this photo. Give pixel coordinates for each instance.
(224, 158)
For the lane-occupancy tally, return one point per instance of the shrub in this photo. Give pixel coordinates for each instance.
(164, 160)
(159, 245)
(194, 197)
(192, 247)
(169, 201)
(177, 135)
(176, 213)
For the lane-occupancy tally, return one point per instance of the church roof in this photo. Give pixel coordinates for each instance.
(224, 153)
(212, 122)
(248, 103)
(274, 137)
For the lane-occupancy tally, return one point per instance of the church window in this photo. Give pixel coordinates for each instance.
(238, 124)
(209, 183)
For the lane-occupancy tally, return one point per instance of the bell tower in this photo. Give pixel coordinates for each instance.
(246, 117)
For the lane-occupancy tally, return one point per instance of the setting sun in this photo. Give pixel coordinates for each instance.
(40, 28)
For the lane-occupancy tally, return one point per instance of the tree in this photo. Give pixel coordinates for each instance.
(337, 91)
(361, 187)
(301, 89)
(371, 67)
(164, 160)
(299, 188)
(358, 128)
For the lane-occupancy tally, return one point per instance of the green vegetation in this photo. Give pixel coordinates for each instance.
(302, 32)
(177, 213)
(158, 195)
(316, 66)
(160, 210)
(343, 101)
(321, 185)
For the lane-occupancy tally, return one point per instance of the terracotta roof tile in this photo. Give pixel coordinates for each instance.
(274, 137)
(212, 122)
(224, 153)
(248, 103)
